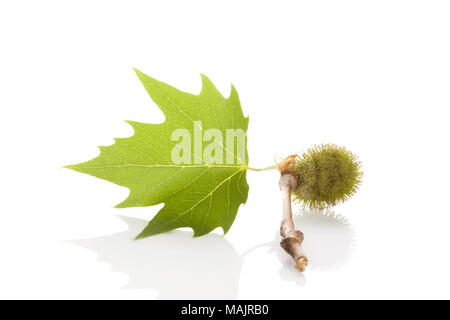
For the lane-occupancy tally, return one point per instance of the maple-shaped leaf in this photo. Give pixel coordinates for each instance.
(201, 180)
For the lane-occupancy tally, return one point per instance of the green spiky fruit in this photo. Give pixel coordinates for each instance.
(327, 174)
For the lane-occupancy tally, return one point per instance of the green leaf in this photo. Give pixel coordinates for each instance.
(203, 194)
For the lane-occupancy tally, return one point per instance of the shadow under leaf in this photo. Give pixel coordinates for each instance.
(177, 265)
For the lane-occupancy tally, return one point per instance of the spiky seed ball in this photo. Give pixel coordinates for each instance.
(328, 174)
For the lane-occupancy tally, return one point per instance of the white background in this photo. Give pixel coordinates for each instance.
(373, 76)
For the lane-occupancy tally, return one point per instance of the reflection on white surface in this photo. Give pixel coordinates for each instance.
(329, 238)
(208, 267)
(175, 264)
(328, 243)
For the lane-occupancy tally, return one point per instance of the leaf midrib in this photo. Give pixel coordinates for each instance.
(240, 167)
